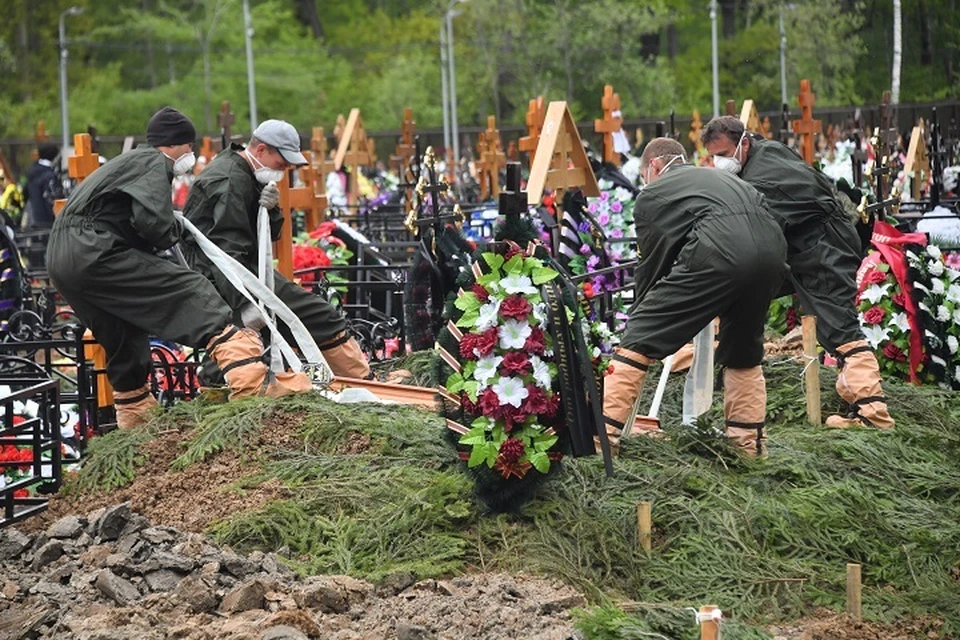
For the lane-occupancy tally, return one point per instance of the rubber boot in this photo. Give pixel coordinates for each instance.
(620, 390)
(345, 358)
(133, 407)
(239, 354)
(858, 382)
(745, 410)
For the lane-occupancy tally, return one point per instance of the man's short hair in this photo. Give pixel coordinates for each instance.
(48, 151)
(728, 126)
(659, 147)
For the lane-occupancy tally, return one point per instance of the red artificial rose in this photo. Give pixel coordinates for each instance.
(468, 343)
(899, 299)
(482, 294)
(489, 403)
(792, 319)
(308, 257)
(535, 343)
(536, 400)
(893, 352)
(511, 450)
(487, 340)
(513, 416)
(516, 307)
(468, 405)
(323, 230)
(18, 420)
(875, 276)
(874, 315)
(21, 493)
(512, 252)
(553, 404)
(515, 362)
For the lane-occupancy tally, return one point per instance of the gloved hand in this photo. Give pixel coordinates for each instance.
(270, 196)
(251, 317)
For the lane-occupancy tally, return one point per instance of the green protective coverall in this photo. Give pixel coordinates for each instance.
(823, 248)
(708, 248)
(223, 204)
(101, 257)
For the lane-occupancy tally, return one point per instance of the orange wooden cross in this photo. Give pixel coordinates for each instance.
(81, 164)
(406, 149)
(560, 162)
(611, 123)
(806, 127)
(40, 135)
(749, 116)
(696, 126)
(323, 165)
(731, 106)
(206, 153)
(292, 199)
(354, 150)
(536, 112)
(492, 159)
(917, 164)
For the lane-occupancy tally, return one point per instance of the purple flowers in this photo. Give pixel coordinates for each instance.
(584, 227)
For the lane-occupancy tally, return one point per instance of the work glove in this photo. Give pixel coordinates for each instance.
(270, 196)
(251, 317)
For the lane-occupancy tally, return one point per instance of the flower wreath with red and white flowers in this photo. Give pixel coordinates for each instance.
(504, 377)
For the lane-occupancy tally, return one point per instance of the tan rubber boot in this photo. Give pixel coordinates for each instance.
(620, 391)
(133, 407)
(239, 354)
(745, 409)
(345, 358)
(858, 382)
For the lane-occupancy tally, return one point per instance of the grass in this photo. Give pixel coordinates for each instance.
(763, 539)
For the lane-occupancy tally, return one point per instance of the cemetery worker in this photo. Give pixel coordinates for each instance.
(102, 257)
(224, 202)
(41, 187)
(823, 252)
(708, 248)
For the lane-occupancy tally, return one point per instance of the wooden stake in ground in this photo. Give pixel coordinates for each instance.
(645, 525)
(560, 161)
(811, 376)
(709, 619)
(731, 107)
(854, 592)
(611, 123)
(806, 127)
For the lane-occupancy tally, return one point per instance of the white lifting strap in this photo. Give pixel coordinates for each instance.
(265, 271)
(254, 291)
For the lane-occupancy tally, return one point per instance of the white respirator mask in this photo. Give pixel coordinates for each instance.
(731, 164)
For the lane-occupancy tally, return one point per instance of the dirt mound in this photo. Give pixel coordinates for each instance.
(112, 576)
(828, 625)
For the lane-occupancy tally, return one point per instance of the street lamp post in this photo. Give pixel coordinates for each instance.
(64, 116)
(251, 85)
(445, 92)
(715, 56)
(454, 133)
(783, 60)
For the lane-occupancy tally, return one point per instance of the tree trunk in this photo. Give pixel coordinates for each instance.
(151, 67)
(897, 52)
(206, 87)
(23, 43)
(673, 43)
(926, 34)
(728, 13)
(308, 17)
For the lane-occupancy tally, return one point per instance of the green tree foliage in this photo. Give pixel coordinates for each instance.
(315, 59)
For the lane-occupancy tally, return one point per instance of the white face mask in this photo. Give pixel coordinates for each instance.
(731, 164)
(183, 164)
(264, 174)
(646, 181)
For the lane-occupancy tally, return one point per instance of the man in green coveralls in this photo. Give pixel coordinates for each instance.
(823, 251)
(708, 248)
(224, 202)
(102, 257)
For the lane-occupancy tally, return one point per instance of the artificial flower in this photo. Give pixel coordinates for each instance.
(874, 315)
(899, 321)
(516, 307)
(875, 334)
(516, 362)
(489, 315)
(517, 283)
(510, 391)
(487, 370)
(875, 293)
(541, 372)
(952, 344)
(514, 334)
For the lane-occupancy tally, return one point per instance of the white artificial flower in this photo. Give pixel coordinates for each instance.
(540, 313)
(938, 287)
(541, 372)
(875, 334)
(953, 293)
(921, 287)
(899, 320)
(952, 344)
(935, 268)
(943, 314)
(516, 283)
(514, 333)
(510, 391)
(875, 293)
(937, 360)
(934, 251)
(486, 369)
(595, 352)
(489, 315)
(956, 374)
(912, 256)
(952, 274)
(622, 194)
(956, 316)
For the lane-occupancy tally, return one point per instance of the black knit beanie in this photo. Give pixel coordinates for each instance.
(168, 127)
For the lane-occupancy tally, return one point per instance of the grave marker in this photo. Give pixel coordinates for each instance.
(491, 160)
(806, 127)
(354, 150)
(536, 112)
(225, 120)
(611, 123)
(560, 161)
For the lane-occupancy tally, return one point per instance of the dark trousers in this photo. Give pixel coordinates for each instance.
(125, 295)
(322, 319)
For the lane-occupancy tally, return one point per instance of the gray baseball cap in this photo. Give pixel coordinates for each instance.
(284, 137)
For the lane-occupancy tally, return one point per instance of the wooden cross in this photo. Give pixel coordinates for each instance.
(513, 154)
(731, 107)
(611, 123)
(536, 112)
(354, 150)
(225, 121)
(406, 148)
(696, 126)
(303, 198)
(81, 164)
(917, 164)
(323, 166)
(40, 134)
(339, 127)
(560, 161)
(492, 159)
(749, 116)
(889, 136)
(806, 127)
(207, 153)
